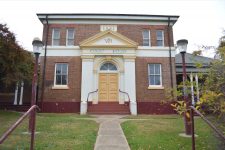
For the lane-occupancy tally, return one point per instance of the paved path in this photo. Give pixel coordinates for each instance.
(110, 134)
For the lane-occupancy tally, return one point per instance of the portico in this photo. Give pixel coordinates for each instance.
(108, 65)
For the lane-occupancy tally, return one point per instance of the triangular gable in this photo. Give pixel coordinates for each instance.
(108, 39)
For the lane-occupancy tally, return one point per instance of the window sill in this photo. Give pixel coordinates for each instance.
(155, 87)
(58, 87)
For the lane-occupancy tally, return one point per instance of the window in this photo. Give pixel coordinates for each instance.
(154, 74)
(160, 37)
(108, 67)
(146, 38)
(70, 37)
(55, 36)
(61, 74)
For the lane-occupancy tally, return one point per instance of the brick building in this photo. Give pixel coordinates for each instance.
(107, 63)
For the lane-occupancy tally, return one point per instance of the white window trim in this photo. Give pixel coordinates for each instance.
(53, 30)
(155, 86)
(67, 36)
(56, 86)
(162, 38)
(149, 34)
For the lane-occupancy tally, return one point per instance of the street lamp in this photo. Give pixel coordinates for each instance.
(37, 47)
(182, 47)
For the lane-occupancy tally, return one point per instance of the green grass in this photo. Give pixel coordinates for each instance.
(56, 132)
(162, 132)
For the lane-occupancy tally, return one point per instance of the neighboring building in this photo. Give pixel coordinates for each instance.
(93, 60)
(194, 65)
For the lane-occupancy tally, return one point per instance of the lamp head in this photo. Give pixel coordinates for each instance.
(182, 45)
(37, 45)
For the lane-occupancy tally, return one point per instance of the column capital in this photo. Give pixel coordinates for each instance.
(87, 57)
(129, 58)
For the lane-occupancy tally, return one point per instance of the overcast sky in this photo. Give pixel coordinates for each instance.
(201, 22)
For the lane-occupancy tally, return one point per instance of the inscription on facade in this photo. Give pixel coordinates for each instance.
(105, 51)
(108, 27)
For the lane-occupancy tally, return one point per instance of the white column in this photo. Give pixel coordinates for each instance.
(16, 94)
(21, 93)
(87, 81)
(192, 90)
(197, 89)
(130, 83)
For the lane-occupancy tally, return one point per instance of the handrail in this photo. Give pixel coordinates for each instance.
(126, 94)
(207, 121)
(18, 122)
(91, 93)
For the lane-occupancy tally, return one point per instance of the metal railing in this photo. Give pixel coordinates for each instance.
(126, 94)
(31, 111)
(90, 94)
(193, 109)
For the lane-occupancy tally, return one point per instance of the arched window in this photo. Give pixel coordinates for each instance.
(108, 67)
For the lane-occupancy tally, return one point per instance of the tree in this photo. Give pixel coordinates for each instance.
(16, 64)
(213, 98)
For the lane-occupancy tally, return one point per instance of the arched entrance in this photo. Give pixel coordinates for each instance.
(108, 83)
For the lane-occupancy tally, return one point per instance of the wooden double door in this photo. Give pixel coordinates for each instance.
(108, 87)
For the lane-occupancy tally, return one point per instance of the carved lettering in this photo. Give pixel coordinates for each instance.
(108, 40)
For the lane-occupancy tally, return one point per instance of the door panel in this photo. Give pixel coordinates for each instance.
(108, 87)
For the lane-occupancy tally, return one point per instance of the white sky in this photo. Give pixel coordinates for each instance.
(201, 22)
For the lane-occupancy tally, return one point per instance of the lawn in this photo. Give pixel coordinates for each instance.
(148, 132)
(56, 132)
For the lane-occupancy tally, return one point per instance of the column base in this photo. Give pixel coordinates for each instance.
(133, 108)
(83, 108)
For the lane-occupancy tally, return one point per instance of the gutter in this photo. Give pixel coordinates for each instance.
(170, 56)
(44, 65)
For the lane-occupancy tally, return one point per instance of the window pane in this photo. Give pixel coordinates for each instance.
(70, 33)
(152, 80)
(159, 43)
(157, 68)
(58, 80)
(70, 42)
(157, 79)
(151, 69)
(145, 34)
(64, 69)
(108, 66)
(58, 69)
(159, 35)
(64, 79)
(56, 33)
(146, 42)
(55, 42)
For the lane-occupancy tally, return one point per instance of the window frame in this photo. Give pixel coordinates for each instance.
(149, 38)
(160, 40)
(67, 38)
(53, 33)
(149, 74)
(67, 73)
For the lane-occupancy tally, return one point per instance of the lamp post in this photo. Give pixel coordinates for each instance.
(182, 47)
(37, 47)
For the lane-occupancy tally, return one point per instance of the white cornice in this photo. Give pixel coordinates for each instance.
(112, 18)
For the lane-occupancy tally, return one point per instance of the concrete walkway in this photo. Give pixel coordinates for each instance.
(110, 134)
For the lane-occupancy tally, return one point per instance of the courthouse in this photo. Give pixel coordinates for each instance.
(107, 63)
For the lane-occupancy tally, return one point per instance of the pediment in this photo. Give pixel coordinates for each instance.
(108, 39)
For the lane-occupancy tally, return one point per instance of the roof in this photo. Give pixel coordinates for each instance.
(97, 16)
(191, 61)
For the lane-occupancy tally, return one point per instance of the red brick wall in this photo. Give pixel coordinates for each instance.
(84, 31)
(74, 80)
(152, 95)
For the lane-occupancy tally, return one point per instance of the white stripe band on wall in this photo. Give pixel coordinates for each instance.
(142, 52)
